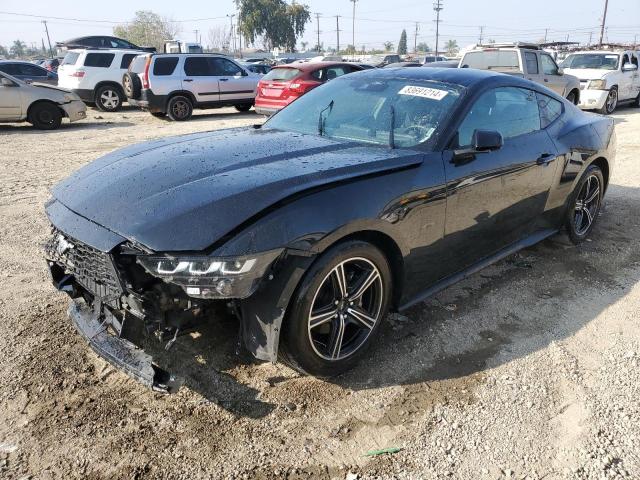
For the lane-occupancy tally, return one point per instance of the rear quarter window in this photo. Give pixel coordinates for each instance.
(164, 66)
(282, 74)
(550, 109)
(70, 58)
(138, 63)
(126, 59)
(100, 60)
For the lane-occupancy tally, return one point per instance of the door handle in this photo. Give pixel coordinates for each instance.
(188, 79)
(545, 158)
(224, 79)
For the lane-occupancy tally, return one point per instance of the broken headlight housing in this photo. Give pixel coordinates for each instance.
(209, 277)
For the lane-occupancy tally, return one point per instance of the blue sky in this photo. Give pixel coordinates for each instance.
(377, 21)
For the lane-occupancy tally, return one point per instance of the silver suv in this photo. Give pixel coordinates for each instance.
(175, 84)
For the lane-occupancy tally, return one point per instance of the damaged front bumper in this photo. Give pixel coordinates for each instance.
(94, 325)
(75, 110)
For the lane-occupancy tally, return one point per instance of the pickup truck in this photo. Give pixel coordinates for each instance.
(607, 78)
(524, 60)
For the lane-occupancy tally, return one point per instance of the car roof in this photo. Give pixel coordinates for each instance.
(309, 66)
(17, 61)
(464, 77)
(124, 51)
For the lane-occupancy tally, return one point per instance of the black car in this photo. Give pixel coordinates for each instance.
(28, 72)
(101, 41)
(370, 193)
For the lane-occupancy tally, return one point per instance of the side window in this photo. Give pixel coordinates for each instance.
(549, 67)
(550, 109)
(509, 110)
(32, 70)
(625, 60)
(223, 67)
(634, 59)
(197, 67)
(320, 75)
(164, 66)
(102, 60)
(10, 68)
(334, 72)
(532, 62)
(126, 59)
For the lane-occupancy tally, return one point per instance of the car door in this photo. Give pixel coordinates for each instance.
(626, 88)
(494, 199)
(551, 77)
(200, 79)
(10, 100)
(235, 83)
(635, 83)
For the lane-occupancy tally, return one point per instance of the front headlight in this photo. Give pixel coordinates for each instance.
(600, 84)
(69, 97)
(207, 277)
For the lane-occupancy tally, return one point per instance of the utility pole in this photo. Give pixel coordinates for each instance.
(481, 35)
(590, 37)
(353, 26)
(437, 6)
(546, 30)
(196, 33)
(604, 21)
(338, 33)
(48, 39)
(318, 31)
(415, 38)
(232, 39)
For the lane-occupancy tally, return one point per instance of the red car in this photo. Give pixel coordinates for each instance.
(283, 84)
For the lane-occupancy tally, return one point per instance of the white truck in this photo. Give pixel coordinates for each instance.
(526, 60)
(607, 78)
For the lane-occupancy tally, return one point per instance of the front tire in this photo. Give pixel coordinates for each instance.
(585, 204)
(45, 116)
(179, 108)
(572, 97)
(243, 107)
(109, 99)
(610, 103)
(337, 310)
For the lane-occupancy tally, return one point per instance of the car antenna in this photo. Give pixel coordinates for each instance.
(392, 142)
(320, 119)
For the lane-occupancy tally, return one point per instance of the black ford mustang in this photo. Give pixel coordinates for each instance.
(369, 193)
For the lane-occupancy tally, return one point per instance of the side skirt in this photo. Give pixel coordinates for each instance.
(485, 262)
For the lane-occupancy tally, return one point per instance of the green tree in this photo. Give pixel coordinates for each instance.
(423, 47)
(452, 48)
(18, 48)
(3, 52)
(402, 44)
(276, 22)
(388, 46)
(351, 49)
(148, 29)
(304, 45)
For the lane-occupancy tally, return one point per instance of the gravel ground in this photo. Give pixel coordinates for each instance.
(528, 369)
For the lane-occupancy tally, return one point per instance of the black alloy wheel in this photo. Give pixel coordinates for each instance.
(586, 205)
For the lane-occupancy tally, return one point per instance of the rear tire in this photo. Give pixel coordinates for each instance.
(243, 107)
(45, 116)
(179, 108)
(321, 311)
(584, 205)
(610, 103)
(572, 97)
(109, 98)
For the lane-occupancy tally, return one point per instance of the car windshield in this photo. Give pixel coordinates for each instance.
(599, 61)
(394, 112)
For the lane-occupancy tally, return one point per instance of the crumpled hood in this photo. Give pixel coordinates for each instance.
(587, 73)
(185, 193)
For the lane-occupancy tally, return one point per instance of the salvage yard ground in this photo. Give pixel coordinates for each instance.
(529, 369)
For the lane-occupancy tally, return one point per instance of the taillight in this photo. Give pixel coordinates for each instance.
(145, 73)
(301, 87)
(78, 74)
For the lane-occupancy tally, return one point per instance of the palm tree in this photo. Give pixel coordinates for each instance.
(304, 46)
(18, 48)
(388, 46)
(452, 48)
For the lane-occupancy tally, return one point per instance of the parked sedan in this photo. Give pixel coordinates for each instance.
(28, 72)
(368, 194)
(284, 84)
(43, 106)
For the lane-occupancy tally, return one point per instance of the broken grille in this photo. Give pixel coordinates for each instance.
(91, 268)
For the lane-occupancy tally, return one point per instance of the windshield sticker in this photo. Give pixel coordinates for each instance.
(424, 92)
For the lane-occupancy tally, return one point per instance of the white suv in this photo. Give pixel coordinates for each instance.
(95, 75)
(175, 84)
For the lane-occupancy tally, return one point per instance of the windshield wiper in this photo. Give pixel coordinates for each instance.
(322, 120)
(392, 142)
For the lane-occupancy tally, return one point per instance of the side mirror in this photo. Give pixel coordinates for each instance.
(629, 67)
(560, 71)
(5, 82)
(482, 141)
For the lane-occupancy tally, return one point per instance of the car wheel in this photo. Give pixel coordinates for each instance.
(572, 97)
(45, 116)
(585, 204)
(610, 103)
(337, 310)
(108, 99)
(131, 85)
(243, 107)
(179, 108)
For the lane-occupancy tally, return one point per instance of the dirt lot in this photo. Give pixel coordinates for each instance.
(527, 370)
